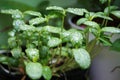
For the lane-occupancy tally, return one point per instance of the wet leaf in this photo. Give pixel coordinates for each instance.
(34, 70)
(27, 27)
(82, 57)
(47, 73)
(77, 11)
(55, 8)
(12, 42)
(17, 23)
(33, 13)
(91, 24)
(81, 21)
(33, 54)
(53, 42)
(111, 29)
(16, 14)
(37, 21)
(65, 36)
(52, 29)
(16, 52)
(76, 37)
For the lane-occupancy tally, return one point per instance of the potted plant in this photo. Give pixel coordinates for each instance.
(40, 49)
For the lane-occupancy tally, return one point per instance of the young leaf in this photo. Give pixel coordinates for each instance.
(26, 27)
(91, 24)
(53, 42)
(105, 41)
(16, 14)
(37, 21)
(112, 8)
(47, 73)
(12, 42)
(65, 36)
(103, 1)
(82, 57)
(81, 21)
(76, 11)
(111, 29)
(116, 13)
(76, 37)
(34, 70)
(55, 8)
(102, 15)
(16, 52)
(17, 23)
(33, 54)
(52, 29)
(12, 33)
(33, 13)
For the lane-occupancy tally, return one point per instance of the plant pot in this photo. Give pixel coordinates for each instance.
(103, 64)
(71, 23)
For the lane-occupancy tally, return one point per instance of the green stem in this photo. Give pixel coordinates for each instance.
(92, 45)
(87, 38)
(62, 27)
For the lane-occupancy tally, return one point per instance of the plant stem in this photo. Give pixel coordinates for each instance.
(62, 27)
(92, 45)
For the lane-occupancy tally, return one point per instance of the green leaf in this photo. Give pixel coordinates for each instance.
(105, 41)
(8, 60)
(90, 16)
(62, 52)
(12, 33)
(34, 70)
(76, 11)
(47, 73)
(102, 15)
(12, 42)
(55, 8)
(103, 1)
(33, 13)
(37, 21)
(17, 23)
(16, 14)
(52, 29)
(16, 52)
(33, 54)
(112, 8)
(53, 42)
(82, 57)
(111, 29)
(26, 27)
(65, 36)
(116, 13)
(76, 37)
(81, 21)
(116, 45)
(91, 24)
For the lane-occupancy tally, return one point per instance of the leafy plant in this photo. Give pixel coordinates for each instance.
(51, 49)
